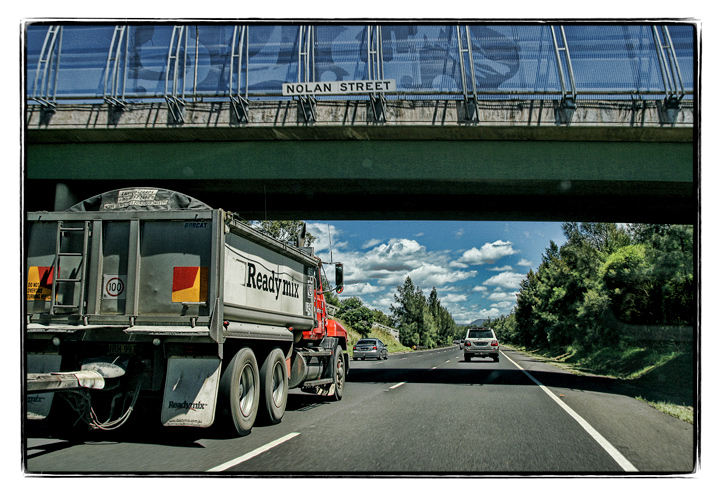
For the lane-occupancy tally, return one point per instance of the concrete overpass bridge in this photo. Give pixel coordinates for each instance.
(467, 152)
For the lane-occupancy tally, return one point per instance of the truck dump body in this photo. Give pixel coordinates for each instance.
(147, 266)
(163, 280)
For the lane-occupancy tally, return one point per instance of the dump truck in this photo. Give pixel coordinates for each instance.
(149, 293)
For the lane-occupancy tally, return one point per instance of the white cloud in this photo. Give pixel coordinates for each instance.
(489, 253)
(426, 276)
(453, 298)
(324, 233)
(489, 313)
(501, 269)
(397, 254)
(503, 305)
(459, 233)
(479, 289)
(371, 242)
(503, 296)
(507, 280)
(525, 263)
(362, 289)
(387, 265)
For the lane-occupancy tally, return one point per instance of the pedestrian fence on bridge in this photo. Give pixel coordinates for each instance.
(141, 62)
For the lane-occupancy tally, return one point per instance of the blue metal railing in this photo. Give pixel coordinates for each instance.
(161, 62)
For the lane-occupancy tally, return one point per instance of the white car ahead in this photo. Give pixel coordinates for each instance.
(481, 342)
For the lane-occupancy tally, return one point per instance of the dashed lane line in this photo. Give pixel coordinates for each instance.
(397, 385)
(611, 450)
(253, 454)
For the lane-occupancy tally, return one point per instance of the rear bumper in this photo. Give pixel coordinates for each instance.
(366, 354)
(482, 353)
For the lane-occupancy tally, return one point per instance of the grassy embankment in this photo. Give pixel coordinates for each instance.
(664, 378)
(392, 345)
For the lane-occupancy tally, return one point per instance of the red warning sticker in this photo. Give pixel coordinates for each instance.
(39, 283)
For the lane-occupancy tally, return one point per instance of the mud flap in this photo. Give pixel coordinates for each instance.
(38, 404)
(191, 389)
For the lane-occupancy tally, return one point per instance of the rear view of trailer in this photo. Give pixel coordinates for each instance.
(147, 291)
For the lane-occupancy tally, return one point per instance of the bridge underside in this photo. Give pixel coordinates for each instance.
(613, 165)
(544, 181)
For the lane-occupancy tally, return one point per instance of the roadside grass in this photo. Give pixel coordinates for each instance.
(663, 376)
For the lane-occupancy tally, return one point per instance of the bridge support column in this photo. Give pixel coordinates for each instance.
(64, 197)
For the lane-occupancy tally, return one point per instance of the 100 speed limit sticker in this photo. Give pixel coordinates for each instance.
(114, 287)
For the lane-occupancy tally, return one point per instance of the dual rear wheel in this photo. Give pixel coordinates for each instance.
(247, 390)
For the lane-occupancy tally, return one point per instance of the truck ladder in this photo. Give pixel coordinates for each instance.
(79, 273)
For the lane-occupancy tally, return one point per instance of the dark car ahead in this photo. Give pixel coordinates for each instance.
(370, 348)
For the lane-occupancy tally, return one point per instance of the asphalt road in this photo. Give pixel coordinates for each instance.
(423, 413)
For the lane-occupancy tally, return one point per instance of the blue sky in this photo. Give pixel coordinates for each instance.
(476, 267)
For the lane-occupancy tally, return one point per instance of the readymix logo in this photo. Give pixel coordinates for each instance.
(271, 283)
(186, 405)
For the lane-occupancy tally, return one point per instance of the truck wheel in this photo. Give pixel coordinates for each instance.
(338, 373)
(240, 388)
(274, 383)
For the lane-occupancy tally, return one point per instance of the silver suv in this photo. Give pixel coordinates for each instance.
(481, 342)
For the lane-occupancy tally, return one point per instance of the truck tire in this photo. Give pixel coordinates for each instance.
(339, 370)
(274, 384)
(240, 390)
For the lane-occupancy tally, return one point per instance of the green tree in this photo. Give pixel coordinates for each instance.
(380, 318)
(332, 299)
(442, 321)
(604, 277)
(408, 312)
(287, 231)
(671, 256)
(626, 277)
(356, 315)
(602, 237)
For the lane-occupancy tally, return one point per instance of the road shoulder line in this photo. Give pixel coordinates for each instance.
(252, 454)
(599, 438)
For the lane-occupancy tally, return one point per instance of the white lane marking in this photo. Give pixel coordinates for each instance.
(611, 450)
(397, 385)
(447, 361)
(254, 453)
(433, 368)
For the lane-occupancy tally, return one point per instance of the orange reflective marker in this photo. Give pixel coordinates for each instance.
(190, 284)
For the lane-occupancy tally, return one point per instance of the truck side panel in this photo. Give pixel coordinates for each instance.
(262, 286)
